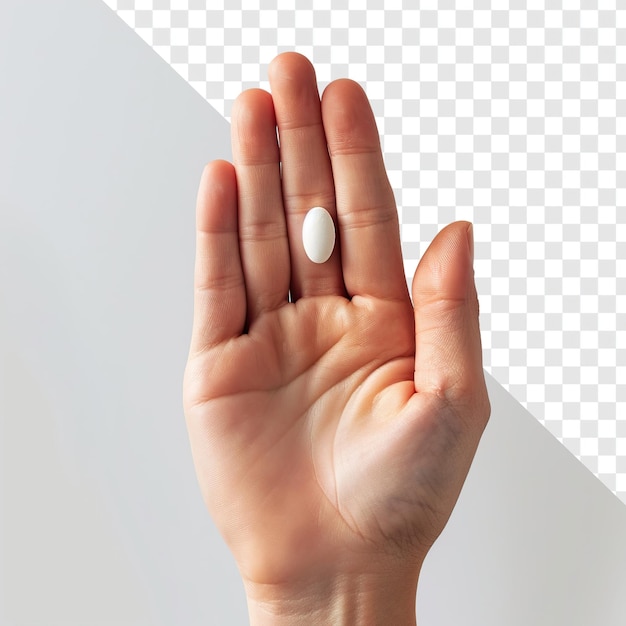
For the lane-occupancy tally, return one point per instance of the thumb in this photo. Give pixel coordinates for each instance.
(448, 352)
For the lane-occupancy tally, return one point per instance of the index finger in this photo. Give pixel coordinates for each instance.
(366, 210)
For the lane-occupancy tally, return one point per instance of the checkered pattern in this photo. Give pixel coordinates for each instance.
(513, 117)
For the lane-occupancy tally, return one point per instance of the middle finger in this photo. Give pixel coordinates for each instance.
(307, 179)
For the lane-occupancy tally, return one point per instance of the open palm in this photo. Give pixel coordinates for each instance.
(332, 420)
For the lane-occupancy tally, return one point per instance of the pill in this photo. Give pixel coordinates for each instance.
(318, 234)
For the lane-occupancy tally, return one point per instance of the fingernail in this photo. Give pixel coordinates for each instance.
(470, 240)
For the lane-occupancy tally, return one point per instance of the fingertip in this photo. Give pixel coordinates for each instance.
(288, 64)
(217, 192)
(445, 271)
(215, 170)
(338, 88)
(348, 118)
(251, 105)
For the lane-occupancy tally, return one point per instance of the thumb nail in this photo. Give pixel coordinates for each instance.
(470, 240)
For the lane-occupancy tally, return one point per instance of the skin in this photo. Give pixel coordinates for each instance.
(332, 418)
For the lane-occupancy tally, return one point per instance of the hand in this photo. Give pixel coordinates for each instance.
(332, 421)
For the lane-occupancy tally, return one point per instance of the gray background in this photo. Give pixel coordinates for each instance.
(101, 149)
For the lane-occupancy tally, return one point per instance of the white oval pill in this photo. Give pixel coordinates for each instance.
(318, 234)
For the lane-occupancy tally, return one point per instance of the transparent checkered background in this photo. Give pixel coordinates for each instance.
(511, 115)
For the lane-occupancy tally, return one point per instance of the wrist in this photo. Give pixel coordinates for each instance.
(362, 598)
